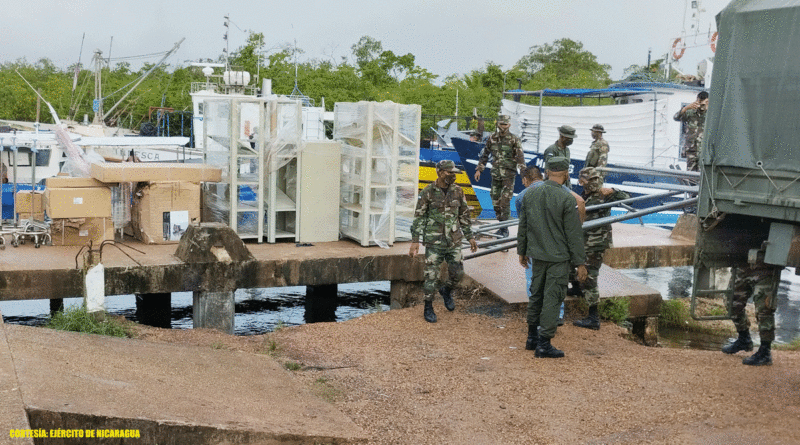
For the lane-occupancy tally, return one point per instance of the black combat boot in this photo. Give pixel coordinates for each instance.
(546, 350)
(590, 322)
(762, 357)
(533, 337)
(503, 233)
(743, 343)
(430, 316)
(448, 299)
(574, 290)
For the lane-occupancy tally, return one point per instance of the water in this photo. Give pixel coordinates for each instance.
(257, 310)
(260, 310)
(676, 282)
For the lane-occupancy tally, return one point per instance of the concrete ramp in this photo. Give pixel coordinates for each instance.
(502, 274)
(201, 395)
(12, 410)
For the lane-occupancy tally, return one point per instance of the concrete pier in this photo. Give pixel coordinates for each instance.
(213, 310)
(154, 309)
(321, 303)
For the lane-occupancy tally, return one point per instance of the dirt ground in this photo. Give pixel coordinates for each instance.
(469, 380)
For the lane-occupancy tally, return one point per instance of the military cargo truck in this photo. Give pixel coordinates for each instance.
(749, 206)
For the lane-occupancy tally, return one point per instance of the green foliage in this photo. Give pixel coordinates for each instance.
(292, 366)
(674, 313)
(376, 73)
(76, 319)
(793, 345)
(614, 309)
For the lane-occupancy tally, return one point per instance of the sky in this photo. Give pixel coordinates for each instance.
(447, 37)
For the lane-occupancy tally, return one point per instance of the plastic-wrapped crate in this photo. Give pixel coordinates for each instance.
(380, 156)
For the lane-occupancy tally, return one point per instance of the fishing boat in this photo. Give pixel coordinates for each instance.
(639, 128)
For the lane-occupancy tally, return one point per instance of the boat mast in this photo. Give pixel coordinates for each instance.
(97, 106)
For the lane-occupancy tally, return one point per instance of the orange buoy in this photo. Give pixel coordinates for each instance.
(677, 52)
(713, 42)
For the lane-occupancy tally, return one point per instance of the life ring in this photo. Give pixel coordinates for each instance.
(677, 53)
(713, 42)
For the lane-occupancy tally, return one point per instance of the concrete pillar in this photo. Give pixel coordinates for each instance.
(321, 303)
(94, 293)
(154, 309)
(56, 304)
(213, 310)
(401, 293)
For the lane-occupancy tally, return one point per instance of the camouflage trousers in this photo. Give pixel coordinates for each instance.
(693, 155)
(762, 284)
(589, 287)
(502, 191)
(434, 256)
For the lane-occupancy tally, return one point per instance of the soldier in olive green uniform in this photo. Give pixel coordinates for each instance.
(506, 152)
(598, 151)
(595, 241)
(694, 115)
(550, 234)
(566, 135)
(761, 282)
(442, 220)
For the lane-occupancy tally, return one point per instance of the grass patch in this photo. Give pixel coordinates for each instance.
(292, 366)
(218, 345)
(674, 313)
(793, 345)
(77, 319)
(325, 390)
(614, 309)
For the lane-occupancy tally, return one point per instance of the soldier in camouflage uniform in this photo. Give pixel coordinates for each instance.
(694, 115)
(598, 151)
(761, 282)
(566, 135)
(441, 219)
(595, 241)
(506, 152)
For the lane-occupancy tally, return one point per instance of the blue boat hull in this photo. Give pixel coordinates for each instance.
(469, 152)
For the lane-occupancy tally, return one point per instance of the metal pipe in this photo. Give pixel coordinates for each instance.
(630, 200)
(497, 225)
(650, 171)
(661, 185)
(586, 226)
(492, 250)
(595, 223)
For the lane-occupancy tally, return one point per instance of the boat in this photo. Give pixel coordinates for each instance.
(639, 128)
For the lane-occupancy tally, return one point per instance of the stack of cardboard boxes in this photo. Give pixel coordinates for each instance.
(166, 199)
(80, 209)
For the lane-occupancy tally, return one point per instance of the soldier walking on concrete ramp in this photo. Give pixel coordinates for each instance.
(506, 151)
(442, 220)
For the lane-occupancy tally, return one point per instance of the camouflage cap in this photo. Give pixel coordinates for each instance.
(589, 173)
(566, 131)
(557, 164)
(503, 119)
(598, 127)
(447, 165)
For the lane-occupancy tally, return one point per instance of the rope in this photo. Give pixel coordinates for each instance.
(760, 165)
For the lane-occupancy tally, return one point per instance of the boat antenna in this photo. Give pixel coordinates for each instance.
(296, 93)
(108, 60)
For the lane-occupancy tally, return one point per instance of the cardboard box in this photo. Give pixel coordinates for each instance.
(163, 210)
(81, 231)
(27, 201)
(84, 202)
(155, 172)
(70, 182)
(31, 216)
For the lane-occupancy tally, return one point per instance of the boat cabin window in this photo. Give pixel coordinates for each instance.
(23, 157)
